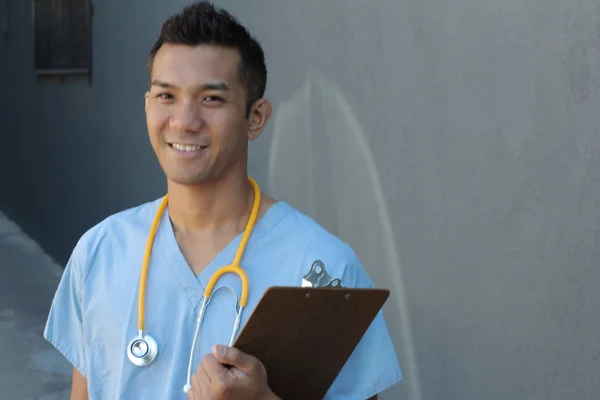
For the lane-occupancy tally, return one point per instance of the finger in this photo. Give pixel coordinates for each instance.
(200, 384)
(232, 356)
(214, 370)
(192, 393)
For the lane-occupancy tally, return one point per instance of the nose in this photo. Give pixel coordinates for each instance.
(187, 117)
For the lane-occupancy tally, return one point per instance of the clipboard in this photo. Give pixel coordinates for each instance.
(304, 335)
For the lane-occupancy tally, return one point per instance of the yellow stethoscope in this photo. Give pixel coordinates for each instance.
(143, 349)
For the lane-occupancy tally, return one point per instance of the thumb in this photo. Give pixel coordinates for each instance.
(237, 358)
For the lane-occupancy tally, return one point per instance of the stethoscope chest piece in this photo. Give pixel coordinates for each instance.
(142, 350)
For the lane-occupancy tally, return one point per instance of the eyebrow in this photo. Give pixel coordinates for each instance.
(220, 86)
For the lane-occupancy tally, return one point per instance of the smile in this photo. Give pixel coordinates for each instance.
(189, 148)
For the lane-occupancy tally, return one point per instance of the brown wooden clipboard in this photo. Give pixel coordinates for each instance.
(304, 336)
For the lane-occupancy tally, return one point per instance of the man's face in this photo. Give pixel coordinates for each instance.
(196, 112)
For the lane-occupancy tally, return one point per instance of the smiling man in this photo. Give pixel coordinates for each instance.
(125, 313)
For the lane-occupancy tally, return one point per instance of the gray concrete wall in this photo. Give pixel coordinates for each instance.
(453, 144)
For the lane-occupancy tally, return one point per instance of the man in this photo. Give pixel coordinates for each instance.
(205, 102)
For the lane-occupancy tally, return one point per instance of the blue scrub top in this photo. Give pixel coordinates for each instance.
(94, 312)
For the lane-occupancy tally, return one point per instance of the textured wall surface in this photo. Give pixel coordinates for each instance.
(453, 144)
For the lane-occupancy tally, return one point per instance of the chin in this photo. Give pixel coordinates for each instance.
(188, 180)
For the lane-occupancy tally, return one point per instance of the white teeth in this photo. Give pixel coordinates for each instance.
(184, 147)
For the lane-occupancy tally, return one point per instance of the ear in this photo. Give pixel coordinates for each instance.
(146, 99)
(260, 113)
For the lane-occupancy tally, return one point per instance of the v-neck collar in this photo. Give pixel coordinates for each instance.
(192, 285)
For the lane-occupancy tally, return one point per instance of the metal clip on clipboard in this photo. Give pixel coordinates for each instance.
(318, 277)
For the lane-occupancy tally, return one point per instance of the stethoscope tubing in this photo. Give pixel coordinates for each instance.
(148, 348)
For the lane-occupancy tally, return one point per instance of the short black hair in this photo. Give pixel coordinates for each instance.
(202, 23)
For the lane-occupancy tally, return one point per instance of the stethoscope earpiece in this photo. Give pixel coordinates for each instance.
(142, 350)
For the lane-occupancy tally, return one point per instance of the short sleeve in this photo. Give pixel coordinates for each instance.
(64, 327)
(373, 366)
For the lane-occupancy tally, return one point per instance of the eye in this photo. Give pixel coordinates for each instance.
(164, 96)
(212, 99)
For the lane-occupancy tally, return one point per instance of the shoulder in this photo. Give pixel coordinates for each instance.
(126, 223)
(313, 242)
(297, 226)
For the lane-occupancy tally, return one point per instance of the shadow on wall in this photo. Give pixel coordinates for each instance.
(320, 162)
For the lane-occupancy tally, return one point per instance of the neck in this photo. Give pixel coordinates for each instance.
(220, 205)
